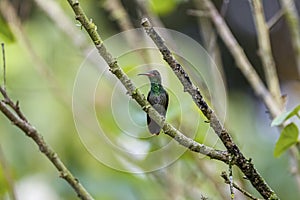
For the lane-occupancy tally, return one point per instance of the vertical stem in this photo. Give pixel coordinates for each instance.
(292, 19)
(265, 51)
(4, 65)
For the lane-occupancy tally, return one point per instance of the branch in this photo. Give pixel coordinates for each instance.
(244, 164)
(275, 18)
(13, 113)
(246, 68)
(115, 69)
(209, 36)
(265, 51)
(4, 65)
(227, 181)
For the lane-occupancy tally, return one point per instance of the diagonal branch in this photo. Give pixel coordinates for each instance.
(168, 129)
(13, 113)
(246, 68)
(244, 164)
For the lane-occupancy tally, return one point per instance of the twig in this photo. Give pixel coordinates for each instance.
(230, 179)
(209, 36)
(4, 65)
(274, 19)
(224, 8)
(206, 172)
(13, 113)
(265, 51)
(245, 165)
(292, 19)
(227, 181)
(90, 27)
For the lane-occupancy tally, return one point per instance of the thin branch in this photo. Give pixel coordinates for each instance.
(206, 171)
(13, 113)
(4, 65)
(275, 19)
(90, 27)
(209, 36)
(244, 164)
(265, 51)
(230, 179)
(292, 18)
(227, 181)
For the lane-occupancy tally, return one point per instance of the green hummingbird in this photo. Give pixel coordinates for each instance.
(158, 98)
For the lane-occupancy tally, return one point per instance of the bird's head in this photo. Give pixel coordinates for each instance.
(153, 75)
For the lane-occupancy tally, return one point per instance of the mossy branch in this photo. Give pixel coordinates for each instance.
(13, 112)
(114, 67)
(244, 164)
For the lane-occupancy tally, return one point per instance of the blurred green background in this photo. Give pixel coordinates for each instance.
(42, 62)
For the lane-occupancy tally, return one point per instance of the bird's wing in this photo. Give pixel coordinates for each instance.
(153, 127)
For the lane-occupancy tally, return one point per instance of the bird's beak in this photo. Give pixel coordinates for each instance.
(145, 74)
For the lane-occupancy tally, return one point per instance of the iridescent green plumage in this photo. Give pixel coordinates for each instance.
(158, 98)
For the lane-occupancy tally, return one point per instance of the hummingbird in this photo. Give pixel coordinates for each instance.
(158, 98)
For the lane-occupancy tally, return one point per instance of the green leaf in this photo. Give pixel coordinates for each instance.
(162, 7)
(288, 137)
(285, 116)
